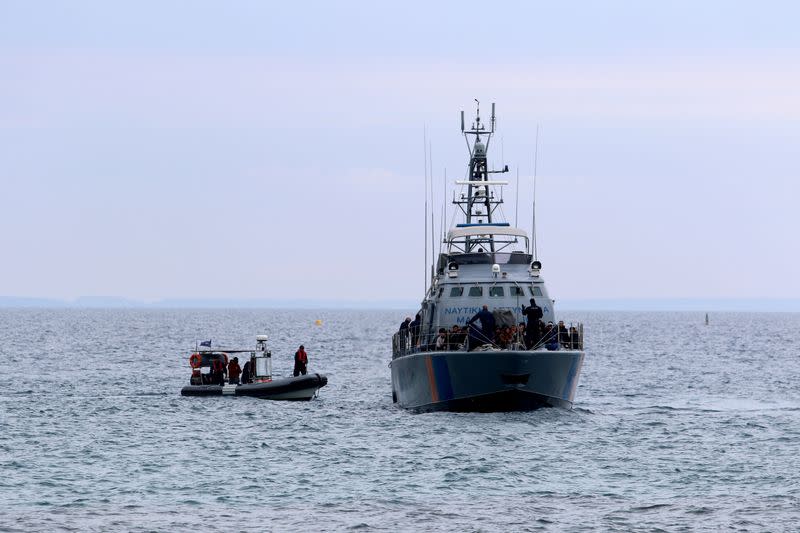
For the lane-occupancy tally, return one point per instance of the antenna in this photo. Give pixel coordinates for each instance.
(444, 209)
(533, 223)
(425, 149)
(493, 118)
(433, 244)
(430, 172)
(466, 139)
(516, 209)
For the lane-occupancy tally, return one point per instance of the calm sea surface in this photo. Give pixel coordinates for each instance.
(677, 426)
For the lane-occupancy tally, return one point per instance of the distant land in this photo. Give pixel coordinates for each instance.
(683, 304)
(643, 304)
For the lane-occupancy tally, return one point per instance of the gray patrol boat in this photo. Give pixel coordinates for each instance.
(444, 360)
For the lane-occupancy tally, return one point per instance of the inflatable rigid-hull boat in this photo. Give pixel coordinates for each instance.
(300, 388)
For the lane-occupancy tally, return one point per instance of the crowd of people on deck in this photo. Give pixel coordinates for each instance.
(531, 334)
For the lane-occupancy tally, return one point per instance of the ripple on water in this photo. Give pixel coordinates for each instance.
(690, 433)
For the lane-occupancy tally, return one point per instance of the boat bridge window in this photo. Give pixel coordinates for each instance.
(476, 291)
(488, 258)
(517, 291)
(455, 292)
(496, 291)
(536, 291)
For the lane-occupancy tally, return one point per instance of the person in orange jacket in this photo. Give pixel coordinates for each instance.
(300, 362)
(234, 371)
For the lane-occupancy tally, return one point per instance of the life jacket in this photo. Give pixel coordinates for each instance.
(234, 370)
(217, 366)
(301, 356)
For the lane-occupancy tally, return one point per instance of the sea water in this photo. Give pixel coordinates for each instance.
(676, 426)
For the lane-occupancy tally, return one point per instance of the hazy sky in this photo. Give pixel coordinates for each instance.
(249, 149)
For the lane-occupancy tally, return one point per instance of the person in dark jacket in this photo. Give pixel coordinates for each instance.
(246, 374)
(550, 337)
(457, 338)
(404, 324)
(300, 361)
(534, 315)
(574, 338)
(487, 324)
(402, 334)
(414, 327)
(234, 370)
(563, 334)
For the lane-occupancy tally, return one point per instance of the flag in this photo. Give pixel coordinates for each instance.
(206, 343)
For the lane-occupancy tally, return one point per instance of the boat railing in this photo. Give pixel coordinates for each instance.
(406, 342)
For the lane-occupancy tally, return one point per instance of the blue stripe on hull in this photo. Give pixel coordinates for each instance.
(442, 375)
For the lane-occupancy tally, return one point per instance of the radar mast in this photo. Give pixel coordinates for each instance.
(479, 203)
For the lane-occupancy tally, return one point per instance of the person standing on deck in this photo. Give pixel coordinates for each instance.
(415, 327)
(404, 325)
(574, 338)
(217, 371)
(234, 371)
(246, 373)
(563, 334)
(534, 315)
(402, 334)
(300, 361)
(487, 324)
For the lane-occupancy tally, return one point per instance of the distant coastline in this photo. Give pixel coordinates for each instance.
(788, 305)
(791, 305)
(112, 302)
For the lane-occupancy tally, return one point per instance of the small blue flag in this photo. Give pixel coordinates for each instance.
(206, 343)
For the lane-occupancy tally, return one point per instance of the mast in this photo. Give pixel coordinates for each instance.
(533, 213)
(425, 216)
(479, 204)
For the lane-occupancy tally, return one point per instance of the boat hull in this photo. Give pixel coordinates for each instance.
(301, 388)
(495, 380)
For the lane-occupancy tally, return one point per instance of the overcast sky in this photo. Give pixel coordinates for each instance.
(260, 150)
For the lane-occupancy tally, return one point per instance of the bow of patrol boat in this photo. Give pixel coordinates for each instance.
(486, 380)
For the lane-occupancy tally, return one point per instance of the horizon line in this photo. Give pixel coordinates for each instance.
(567, 304)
